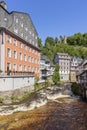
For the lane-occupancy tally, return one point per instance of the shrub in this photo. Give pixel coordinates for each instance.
(36, 85)
(1, 100)
(76, 89)
(14, 98)
(47, 83)
(27, 95)
(56, 76)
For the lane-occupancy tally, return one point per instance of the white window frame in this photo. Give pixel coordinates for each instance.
(20, 44)
(8, 52)
(20, 56)
(9, 64)
(25, 57)
(20, 67)
(15, 42)
(14, 67)
(9, 39)
(15, 54)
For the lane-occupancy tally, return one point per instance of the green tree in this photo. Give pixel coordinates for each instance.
(61, 39)
(56, 40)
(74, 47)
(49, 40)
(56, 77)
(40, 43)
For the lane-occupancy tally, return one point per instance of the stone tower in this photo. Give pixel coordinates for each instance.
(3, 4)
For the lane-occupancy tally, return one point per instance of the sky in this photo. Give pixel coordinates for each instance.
(53, 17)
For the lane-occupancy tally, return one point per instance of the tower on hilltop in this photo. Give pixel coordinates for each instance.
(3, 4)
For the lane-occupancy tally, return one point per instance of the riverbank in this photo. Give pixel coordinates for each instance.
(39, 99)
(62, 113)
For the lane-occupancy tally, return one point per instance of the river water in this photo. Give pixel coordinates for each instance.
(60, 114)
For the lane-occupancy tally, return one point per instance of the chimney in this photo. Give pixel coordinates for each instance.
(3, 4)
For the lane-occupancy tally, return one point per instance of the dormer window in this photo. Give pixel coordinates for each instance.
(36, 37)
(5, 19)
(15, 30)
(26, 29)
(21, 24)
(21, 34)
(16, 20)
(33, 34)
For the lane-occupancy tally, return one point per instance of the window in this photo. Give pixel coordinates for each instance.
(8, 66)
(20, 67)
(38, 70)
(16, 20)
(8, 52)
(25, 47)
(33, 42)
(28, 68)
(32, 59)
(15, 55)
(9, 39)
(28, 58)
(15, 29)
(36, 44)
(33, 34)
(20, 56)
(38, 61)
(5, 19)
(15, 42)
(14, 67)
(24, 67)
(20, 44)
(25, 59)
(36, 37)
(30, 49)
(21, 34)
(21, 24)
(26, 29)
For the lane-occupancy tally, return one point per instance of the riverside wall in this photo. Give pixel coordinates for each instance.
(10, 83)
(14, 88)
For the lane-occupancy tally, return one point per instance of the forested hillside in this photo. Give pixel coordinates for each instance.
(73, 45)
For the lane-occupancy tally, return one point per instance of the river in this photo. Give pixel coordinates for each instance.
(60, 114)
